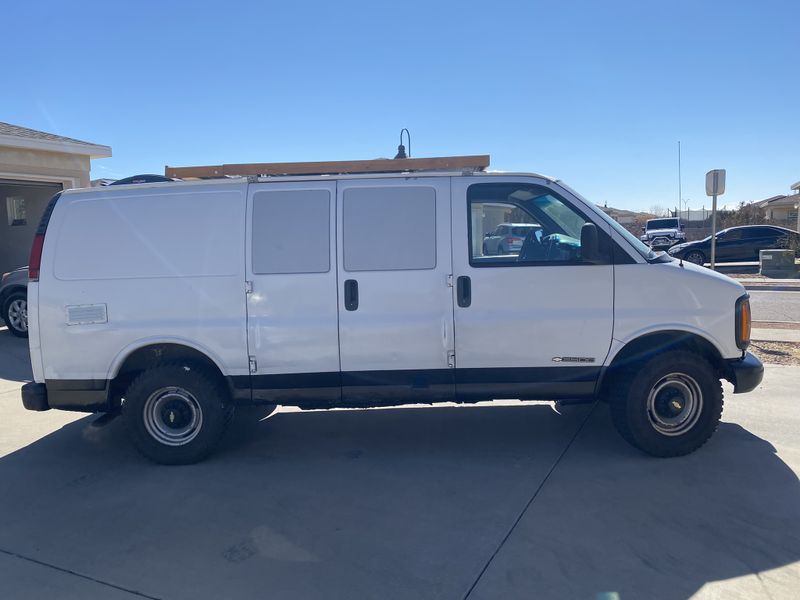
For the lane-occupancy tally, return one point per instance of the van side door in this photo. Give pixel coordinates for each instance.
(536, 323)
(292, 320)
(395, 304)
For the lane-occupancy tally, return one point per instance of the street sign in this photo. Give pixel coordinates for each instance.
(715, 182)
(715, 186)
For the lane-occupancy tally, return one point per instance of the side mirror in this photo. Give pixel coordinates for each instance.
(590, 247)
(487, 234)
(644, 229)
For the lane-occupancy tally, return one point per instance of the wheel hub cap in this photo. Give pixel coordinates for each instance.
(172, 416)
(674, 404)
(18, 315)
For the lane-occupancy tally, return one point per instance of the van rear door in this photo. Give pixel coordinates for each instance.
(292, 322)
(395, 306)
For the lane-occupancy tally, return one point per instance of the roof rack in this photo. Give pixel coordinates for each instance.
(380, 165)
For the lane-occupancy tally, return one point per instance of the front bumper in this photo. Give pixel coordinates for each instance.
(744, 373)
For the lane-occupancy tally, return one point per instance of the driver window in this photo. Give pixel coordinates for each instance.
(531, 226)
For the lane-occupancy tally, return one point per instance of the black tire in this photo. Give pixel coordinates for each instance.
(186, 392)
(696, 257)
(15, 299)
(644, 427)
(485, 250)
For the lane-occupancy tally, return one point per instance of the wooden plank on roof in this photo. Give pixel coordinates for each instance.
(381, 165)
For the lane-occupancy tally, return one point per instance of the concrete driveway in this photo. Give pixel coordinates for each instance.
(510, 501)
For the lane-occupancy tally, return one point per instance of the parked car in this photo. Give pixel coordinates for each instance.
(14, 301)
(736, 244)
(187, 299)
(663, 233)
(507, 238)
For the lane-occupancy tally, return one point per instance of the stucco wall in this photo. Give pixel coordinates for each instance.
(71, 170)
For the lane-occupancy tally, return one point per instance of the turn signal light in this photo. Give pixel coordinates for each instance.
(743, 322)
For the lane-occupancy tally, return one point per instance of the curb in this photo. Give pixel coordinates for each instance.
(772, 288)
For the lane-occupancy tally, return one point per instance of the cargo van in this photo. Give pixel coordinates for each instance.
(175, 302)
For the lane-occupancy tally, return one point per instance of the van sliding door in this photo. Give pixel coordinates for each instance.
(395, 306)
(292, 331)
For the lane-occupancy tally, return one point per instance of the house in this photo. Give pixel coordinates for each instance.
(34, 165)
(782, 209)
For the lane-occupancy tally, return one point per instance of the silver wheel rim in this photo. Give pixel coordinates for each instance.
(172, 416)
(695, 257)
(674, 404)
(18, 314)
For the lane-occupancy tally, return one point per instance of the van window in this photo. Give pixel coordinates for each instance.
(142, 235)
(389, 228)
(545, 228)
(291, 231)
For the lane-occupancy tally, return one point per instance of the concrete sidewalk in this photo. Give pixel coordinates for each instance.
(775, 335)
(771, 285)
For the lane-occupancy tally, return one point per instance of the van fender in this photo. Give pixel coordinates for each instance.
(617, 344)
(123, 354)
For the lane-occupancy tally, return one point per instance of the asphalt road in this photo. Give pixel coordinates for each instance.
(775, 306)
(488, 501)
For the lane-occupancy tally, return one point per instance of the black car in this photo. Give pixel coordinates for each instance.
(736, 244)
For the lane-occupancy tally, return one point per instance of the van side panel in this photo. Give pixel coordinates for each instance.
(138, 265)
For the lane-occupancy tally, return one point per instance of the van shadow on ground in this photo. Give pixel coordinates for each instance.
(403, 503)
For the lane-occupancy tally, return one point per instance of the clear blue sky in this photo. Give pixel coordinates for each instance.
(595, 93)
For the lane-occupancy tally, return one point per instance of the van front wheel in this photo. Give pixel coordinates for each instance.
(176, 413)
(669, 406)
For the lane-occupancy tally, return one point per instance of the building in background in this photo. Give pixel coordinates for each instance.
(34, 165)
(782, 209)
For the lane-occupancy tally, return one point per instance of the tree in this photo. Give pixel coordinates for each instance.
(743, 214)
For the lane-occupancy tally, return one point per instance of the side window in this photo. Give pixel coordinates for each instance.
(291, 231)
(760, 233)
(389, 228)
(538, 228)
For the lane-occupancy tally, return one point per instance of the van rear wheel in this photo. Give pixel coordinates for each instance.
(669, 406)
(176, 413)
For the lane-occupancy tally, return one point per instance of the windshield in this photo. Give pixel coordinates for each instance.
(637, 244)
(662, 224)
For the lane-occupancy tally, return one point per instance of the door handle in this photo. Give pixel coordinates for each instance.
(464, 291)
(351, 294)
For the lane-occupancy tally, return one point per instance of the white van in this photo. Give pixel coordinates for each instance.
(175, 302)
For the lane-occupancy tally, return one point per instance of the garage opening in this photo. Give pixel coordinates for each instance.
(21, 206)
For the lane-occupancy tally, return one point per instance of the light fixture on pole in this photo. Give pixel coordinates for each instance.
(401, 150)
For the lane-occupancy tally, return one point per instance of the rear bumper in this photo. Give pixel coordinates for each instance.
(34, 396)
(745, 373)
(66, 394)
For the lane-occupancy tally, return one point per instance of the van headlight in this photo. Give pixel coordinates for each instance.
(743, 322)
